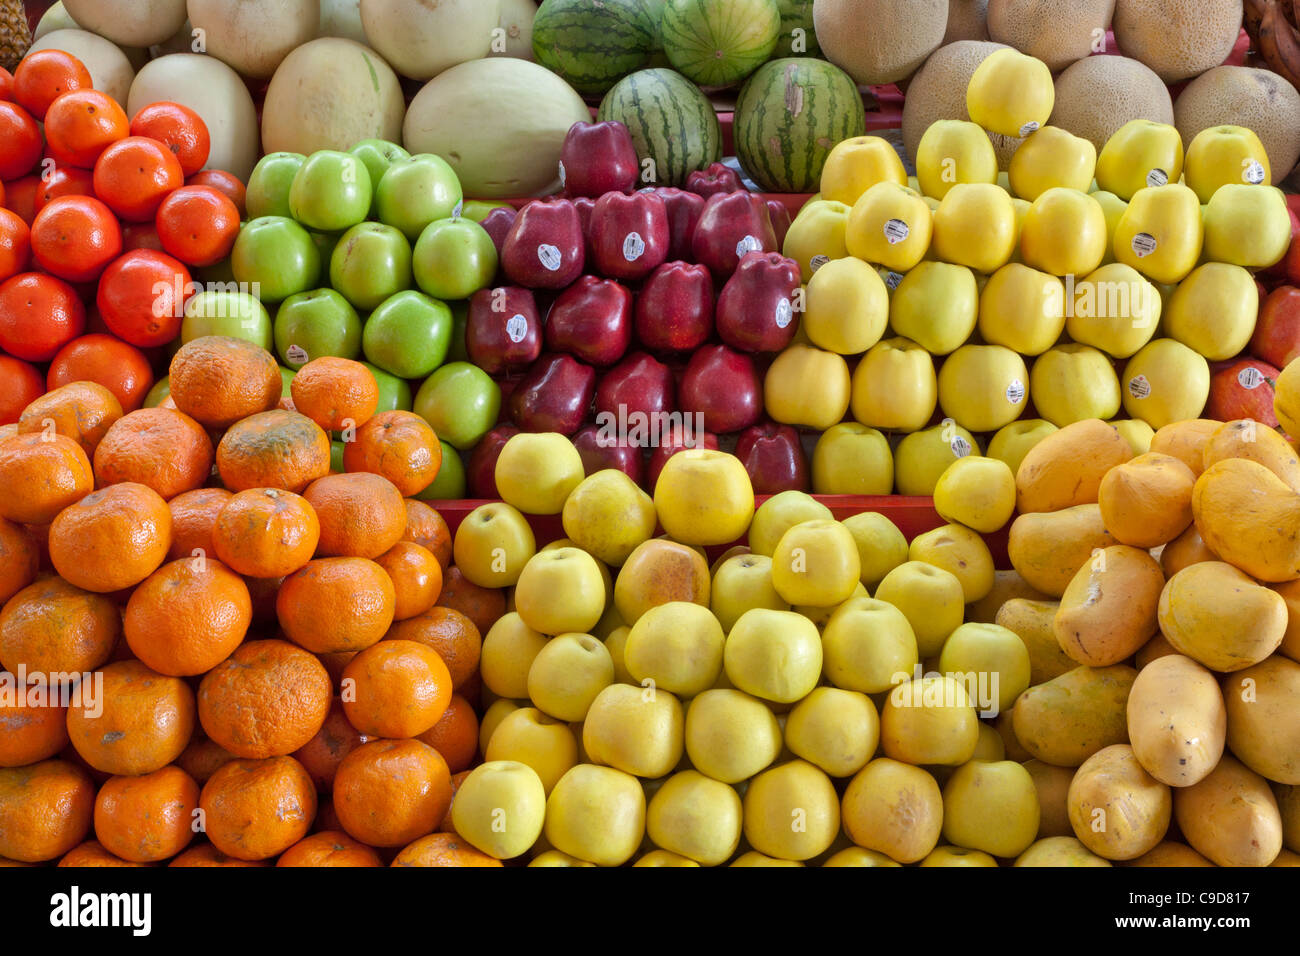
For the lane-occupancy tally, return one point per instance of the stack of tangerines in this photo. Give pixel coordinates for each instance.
(104, 210)
(289, 664)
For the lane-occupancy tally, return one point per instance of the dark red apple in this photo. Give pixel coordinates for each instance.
(503, 331)
(600, 450)
(591, 319)
(678, 439)
(554, 396)
(637, 389)
(732, 225)
(684, 211)
(1243, 389)
(674, 310)
(544, 248)
(1277, 332)
(756, 306)
(724, 387)
(584, 205)
(717, 178)
(597, 158)
(629, 235)
(497, 224)
(774, 457)
(481, 468)
(780, 214)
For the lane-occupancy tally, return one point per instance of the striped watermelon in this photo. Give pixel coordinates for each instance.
(789, 116)
(671, 122)
(797, 15)
(594, 43)
(717, 43)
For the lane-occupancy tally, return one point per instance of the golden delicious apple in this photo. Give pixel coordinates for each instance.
(1114, 309)
(807, 386)
(530, 737)
(656, 572)
(509, 648)
(936, 306)
(852, 459)
(1139, 154)
(774, 655)
(561, 590)
(881, 546)
(1064, 233)
(1160, 233)
(1013, 442)
(983, 387)
(742, 583)
(960, 551)
(958, 856)
(817, 233)
(704, 497)
(1049, 158)
(567, 674)
(608, 515)
(1023, 309)
(791, 811)
(677, 647)
(639, 730)
(696, 817)
(1165, 382)
(847, 307)
(991, 806)
(894, 386)
(835, 730)
(890, 226)
(1071, 383)
(987, 658)
(922, 457)
(500, 808)
(816, 562)
(1225, 155)
(731, 736)
(978, 492)
(1247, 226)
(596, 814)
(857, 856)
(536, 471)
(492, 545)
(951, 152)
(929, 720)
(1213, 310)
(893, 808)
(855, 165)
(975, 226)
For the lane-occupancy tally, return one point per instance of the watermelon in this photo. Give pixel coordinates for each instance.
(592, 44)
(796, 15)
(673, 126)
(717, 43)
(789, 116)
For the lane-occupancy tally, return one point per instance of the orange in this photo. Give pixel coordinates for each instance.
(20, 384)
(75, 238)
(391, 792)
(140, 235)
(481, 605)
(335, 740)
(269, 698)
(443, 849)
(80, 125)
(62, 181)
(400, 689)
(326, 818)
(92, 853)
(455, 735)
(111, 539)
(202, 758)
(217, 380)
(448, 632)
(194, 517)
(361, 515)
(40, 475)
(223, 182)
(44, 76)
(178, 128)
(416, 576)
(257, 809)
(188, 616)
(205, 854)
(30, 734)
(145, 723)
(20, 144)
(15, 244)
(329, 848)
(134, 175)
(335, 393)
(84, 411)
(274, 449)
(51, 627)
(263, 592)
(39, 315)
(20, 194)
(428, 529)
(336, 604)
(335, 662)
(198, 225)
(141, 297)
(19, 559)
(166, 450)
(147, 818)
(45, 810)
(119, 367)
(266, 533)
(398, 445)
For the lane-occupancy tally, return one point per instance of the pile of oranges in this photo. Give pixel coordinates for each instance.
(289, 662)
(101, 209)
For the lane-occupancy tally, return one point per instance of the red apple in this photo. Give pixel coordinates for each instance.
(503, 330)
(584, 205)
(674, 311)
(678, 439)
(724, 387)
(597, 158)
(600, 451)
(755, 308)
(637, 388)
(591, 319)
(780, 214)
(544, 248)
(497, 224)
(684, 211)
(717, 178)
(629, 235)
(774, 457)
(1277, 332)
(481, 468)
(732, 225)
(1243, 389)
(554, 396)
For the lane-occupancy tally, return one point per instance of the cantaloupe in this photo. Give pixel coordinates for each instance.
(516, 25)
(331, 94)
(938, 91)
(1058, 32)
(1099, 94)
(967, 20)
(420, 40)
(128, 22)
(342, 18)
(1175, 38)
(253, 38)
(1259, 100)
(879, 41)
(109, 67)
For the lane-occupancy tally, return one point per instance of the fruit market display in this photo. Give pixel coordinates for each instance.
(414, 420)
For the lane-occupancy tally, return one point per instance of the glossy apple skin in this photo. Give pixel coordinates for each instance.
(780, 216)
(723, 385)
(774, 457)
(1277, 333)
(598, 455)
(497, 224)
(597, 158)
(591, 320)
(584, 205)
(674, 443)
(674, 310)
(640, 384)
(731, 225)
(554, 396)
(629, 235)
(717, 178)
(1230, 398)
(544, 248)
(481, 468)
(503, 331)
(684, 211)
(755, 308)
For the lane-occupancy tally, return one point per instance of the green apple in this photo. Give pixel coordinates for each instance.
(276, 258)
(325, 244)
(370, 263)
(286, 381)
(415, 193)
(161, 389)
(450, 483)
(408, 334)
(236, 314)
(268, 185)
(461, 402)
(477, 210)
(331, 191)
(457, 350)
(336, 456)
(454, 258)
(394, 392)
(378, 155)
(316, 323)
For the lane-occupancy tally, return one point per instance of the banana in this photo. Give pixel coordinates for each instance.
(1279, 43)
(1253, 15)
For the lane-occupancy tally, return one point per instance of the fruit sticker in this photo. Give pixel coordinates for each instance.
(1016, 391)
(1250, 377)
(748, 244)
(562, 183)
(296, 354)
(1144, 244)
(1254, 172)
(549, 256)
(1157, 177)
(817, 261)
(892, 279)
(633, 246)
(896, 231)
(1139, 386)
(960, 447)
(458, 209)
(1030, 127)
(784, 313)
(516, 328)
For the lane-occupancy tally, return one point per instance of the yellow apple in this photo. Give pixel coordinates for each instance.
(1166, 382)
(1221, 155)
(492, 545)
(852, 459)
(493, 717)
(855, 165)
(696, 817)
(656, 572)
(817, 235)
(1064, 233)
(957, 856)
(1112, 208)
(835, 730)
(1012, 442)
(1010, 93)
(881, 546)
(638, 730)
(807, 386)
(704, 497)
(816, 562)
(778, 514)
(509, 648)
(1023, 309)
(731, 736)
(742, 583)
(567, 674)
(894, 386)
(1073, 382)
(500, 808)
(951, 152)
(773, 655)
(556, 858)
(923, 456)
(819, 614)
(615, 641)
(930, 598)
(866, 644)
(960, 551)
(1213, 310)
(608, 515)
(1160, 233)
(676, 647)
(791, 811)
(530, 737)
(977, 492)
(857, 856)
(893, 809)
(983, 387)
(991, 806)
(846, 307)
(536, 471)
(889, 225)
(993, 663)
(561, 590)
(935, 305)
(1114, 309)
(975, 226)
(929, 720)
(1139, 154)
(1136, 432)
(1049, 158)
(596, 814)
(1247, 226)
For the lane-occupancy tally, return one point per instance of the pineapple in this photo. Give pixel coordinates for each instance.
(15, 34)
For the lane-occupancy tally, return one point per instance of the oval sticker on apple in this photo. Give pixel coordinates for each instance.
(1139, 387)
(1030, 127)
(896, 231)
(1250, 377)
(1016, 391)
(516, 328)
(817, 261)
(1254, 172)
(784, 313)
(1157, 177)
(960, 447)
(458, 209)
(549, 256)
(1144, 244)
(748, 244)
(633, 246)
(297, 355)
